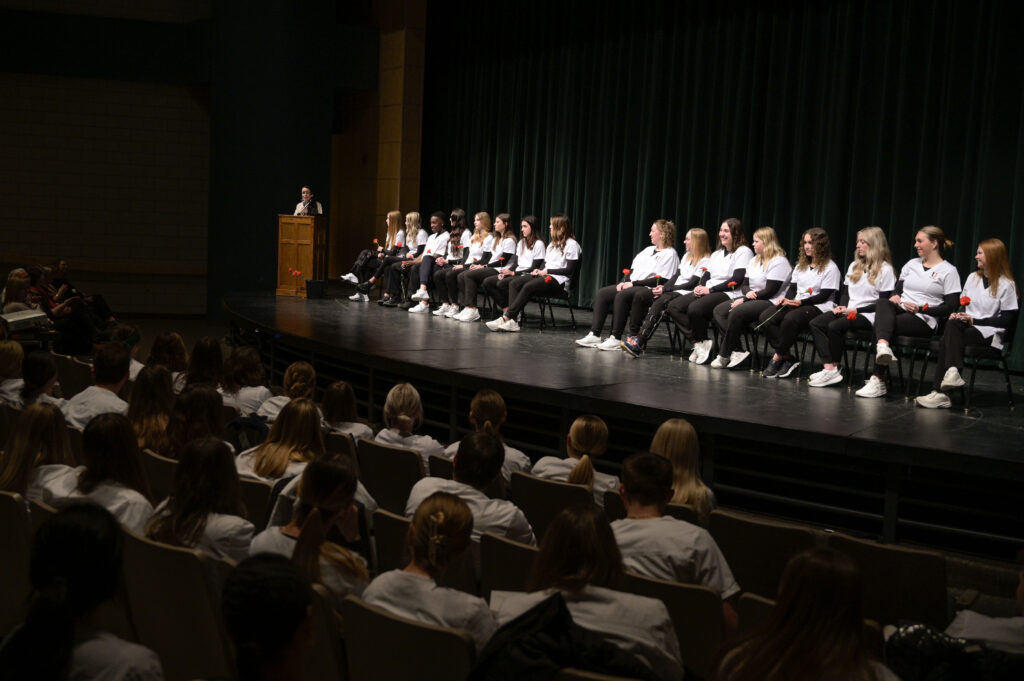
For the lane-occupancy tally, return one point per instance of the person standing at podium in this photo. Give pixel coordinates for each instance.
(307, 206)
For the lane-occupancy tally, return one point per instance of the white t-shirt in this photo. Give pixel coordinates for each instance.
(477, 249)
(557, 258)
(390, 243)
(90, 403)
(688, 269)
(508, 245)
(225, 536)
(10, 391)
(421, 238)
(424, 444)
(437, 244)
(637, 624)
(246, 465)
(356, 430)
(722, 264)
(651, 262)
(489, 515)
(273, 540)
(420, 598)
(984, 305)
(272, 407)
(1000, 633)
(454, 253)
(105, 657)
(525, 255)
(555, 468)
(248, 398)
(928, 286)
(811, 282)
(51, 482)
(285, 504)
(863, 293)
(515, 460)
(129, 507)
(675, 550)
(134, 367)
(760, 273)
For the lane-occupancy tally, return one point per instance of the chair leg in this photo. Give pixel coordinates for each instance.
(572, 316)
(1009, 388)
(551, 311)
(970, 387)
(924, 369)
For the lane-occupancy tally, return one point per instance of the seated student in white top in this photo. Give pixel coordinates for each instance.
(112, 475)
(150, 408)
(110, 372)
(169, 351)
(999, 633)
(37, 461)
(326, 492)
(472, 247)
(653, 266)
(441, 531)
(579, 559)
(529, 256)
(409, 243)
(75, 569)
(241, 385)
(403, 412)
(299, 381)
(988, 312)
(204, 510)
(198, 412)
(294, 440)
(11, 357)
(38, 381)
(487, 411)
(420, 240)
(561, 262)
(422, 268)
(815, 630)
(656, 545)
(676, 440)
(370, 259)
(205, 363)
(266, 601)
(130, 337)
(477, 464)
(587, 438)
(339, 412)
(502, 249)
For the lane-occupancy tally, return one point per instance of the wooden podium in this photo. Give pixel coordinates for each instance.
(302, 246)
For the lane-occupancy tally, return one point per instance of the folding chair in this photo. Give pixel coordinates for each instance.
(541, 499)
(389, 473)
(505, 565)
(159, 472)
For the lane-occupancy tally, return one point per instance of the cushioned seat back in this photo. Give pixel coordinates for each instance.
(541, 499)
(389, 473)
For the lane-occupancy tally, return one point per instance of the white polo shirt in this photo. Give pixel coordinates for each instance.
(863, 293)
(812, 281)
(760, 273)
(652, 262)
(928, 286)
(984, 305)
(489, 515)
(722, 264)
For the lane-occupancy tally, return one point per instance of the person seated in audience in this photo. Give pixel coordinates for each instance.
(110, 372)
(579, 559)
(588, 438)
(815, 630)
(487, 410)
(326, 495)
(130, 337)
(403, 413)
(63, 290)
(204, 510)
(16, 293)
(998, 633)
(441, 531)
(37, 460)
(656, 545)
(150, 408)
(267, 606)
(169, 350)
(74, 317)
(677, 441)
(339, 412)
(205, 363)
(197, 412)
(11, 357)
(299, 381)
(242, 382)
(112, 475)
(477, 464)
(295, 439)
(39, 379)
(75, 568)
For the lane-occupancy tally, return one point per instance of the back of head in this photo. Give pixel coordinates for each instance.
(299, 380)
(110, 365)
(265, 601)
(152, 394)
(647, 479)
(198, 412)
(37, 370)
(578, 549)
(327, 488)
(110, 453)
(11, 357)
(39, 437)
(487, 407)
(127, 335)
(243, 368)
(206, 363)
(677, 441)
(339, 403)
(479, 459)
(588, 434)
(403, 408)
(440, 531)
(169, 349)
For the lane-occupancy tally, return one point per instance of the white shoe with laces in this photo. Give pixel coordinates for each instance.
(510, 325)
(934, 400)
(419, 309)
(883, 354)
(703, 351)
(610, 343)
(719, 362)
(951, 379)
(826, 377)
(350, 278)
(874, 387)
(356, 297)
(420, 294)
(591, 340)
(469, 314)
(453, 312)
(441, 311)
(737, 358)
(495, 324)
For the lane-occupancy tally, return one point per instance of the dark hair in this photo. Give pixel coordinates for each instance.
(479, 459)
(39, 437)
(458, 226)
(110, 365)
(299, 380)
(578, 549)
(169, 349)
(736, 230)
(441, 530)
(36, 370)
(75, 565)
(822, 250)
(198, 412)
(205, 482)
(647, 479)
(206, 362)
(534, 234)
(265, 600)
(442, 216)
(339, 405)
(150, 407)
(110, 452)
(242, 368)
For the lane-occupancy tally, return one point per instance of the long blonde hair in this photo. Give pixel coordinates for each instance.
(997, 265)
(700, 247)
(676, 440)
(295, 436)
(394, 224)
(481, 233)
(39, 437)
(878, 254)
(415, 225)
(588, 437)
(772, 249)
(403, 409)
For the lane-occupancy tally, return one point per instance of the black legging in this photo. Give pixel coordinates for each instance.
(829, 331)
(383, 266)
(654, 316)
(639, 304)
(498, 289)
(468, 282)
(393, 279)
(446, 284)
(367, 262)
(523, 288)
(692, 312)
(955, 337)
(620, 302)
(733, 321)
(893, 320)
(782, 328)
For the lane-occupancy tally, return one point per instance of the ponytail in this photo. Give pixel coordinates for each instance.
(307, 549)
(440, 531)
(583, 472)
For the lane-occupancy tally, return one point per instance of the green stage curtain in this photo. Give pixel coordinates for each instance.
(790, 114)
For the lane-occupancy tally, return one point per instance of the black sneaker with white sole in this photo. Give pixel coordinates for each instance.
(788, 368)
(772, 371)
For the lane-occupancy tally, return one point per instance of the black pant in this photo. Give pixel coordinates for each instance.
(692, 313)
(468, 282)
(657, 311)
(523, 288)
(424, 269)
(620, 302)
(393, 283)
(639, 305)
(366, 263)
(784, 326)
(446, 284)
(829, 331)
(384, 267)
(498, 289)
(733, 321)
(892, 320)
(955, 337)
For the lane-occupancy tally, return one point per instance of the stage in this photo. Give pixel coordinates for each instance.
(881, 467)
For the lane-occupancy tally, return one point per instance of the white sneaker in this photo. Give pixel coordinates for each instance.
(453, 312)
(874, 387)
(883, 354)
(420, 294)
(469, 314)
(719, 362)
(591, 340)
(934, 400)
(419, 309)
(737, 358)
(495, 324)
(951, 379)
(702, 350)
(610, 343)
(826, 377)
(357, 297)
(443, 310)
(350, 278)
(816, 374)
(694, 354)
(363, 298)
(510, 325)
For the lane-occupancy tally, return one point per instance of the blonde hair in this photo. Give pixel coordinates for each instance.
(403, 409)
(394, 219)
(415, 225)
(11, 357)
(997, 264)
(772, 249)
(440, 531)
(668, 231)
(299, 380)
(878, 254)
(39, 437)
(676, 440)
(700, 248)
(485, 228)
(295, 436)
(588, 437)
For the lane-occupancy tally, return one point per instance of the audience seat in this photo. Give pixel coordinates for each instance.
(74, 376)
(505, 565)
(389, 531)
(75, 440)
(8, 417)
(39, 513)
(159, 472)
(615, 509)
(440, 467)
(325, 660)
(571, 674)
(384, 646)
(541, 499)
(341, 444)
(389, 473)
(256, 497)
(15, 548)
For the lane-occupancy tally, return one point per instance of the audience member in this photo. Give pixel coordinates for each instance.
(403, 413)
(198, 412)
(206, 363)
(241, 384)
(130, 337)
(588, 437)
(39, 375)
(110, 372)
(37, 460)
(487, 411)
(11, 357)
(150, 408)
(169, 350)
(295, 439)
(339, 412)
(677, 441)
(299, 381)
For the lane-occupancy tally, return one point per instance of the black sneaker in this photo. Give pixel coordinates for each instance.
(773, 369)
(364, 287)
(389, 302)
(788, 368)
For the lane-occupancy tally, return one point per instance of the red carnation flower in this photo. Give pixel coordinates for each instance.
(965, 301)
(924, 308)
(548, 279)
(398, 245)
(374, 239)
(626, 271)
(809, 290)
(851, 315)
(732, 284)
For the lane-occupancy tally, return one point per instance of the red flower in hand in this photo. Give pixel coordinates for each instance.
(703, 269)
(626, 271)
(731, 285)
(375, 240)
(924, 308)
(965, 301)
(809, 290)
(398, 245)
(548, 279)
(851, 315)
